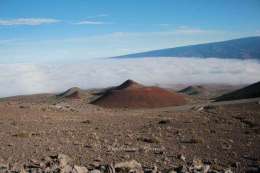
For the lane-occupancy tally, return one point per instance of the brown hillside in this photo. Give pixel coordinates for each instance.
(133, 95)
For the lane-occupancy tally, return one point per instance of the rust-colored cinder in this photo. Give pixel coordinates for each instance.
(130, 94)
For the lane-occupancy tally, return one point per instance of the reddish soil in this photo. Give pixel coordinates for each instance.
(133, 95)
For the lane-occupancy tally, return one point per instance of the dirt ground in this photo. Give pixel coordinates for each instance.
(32, 127)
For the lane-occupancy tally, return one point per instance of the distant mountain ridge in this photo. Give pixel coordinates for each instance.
(242, 48)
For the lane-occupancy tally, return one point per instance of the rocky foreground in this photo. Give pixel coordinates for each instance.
(192, 138)
(64, 164)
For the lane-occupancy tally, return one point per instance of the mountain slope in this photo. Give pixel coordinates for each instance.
(251, 91)
(193, 90)
(131, 94)
(73, 93)
(243, 48)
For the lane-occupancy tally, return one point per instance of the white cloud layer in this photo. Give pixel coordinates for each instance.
(27, 21)
(16, 79)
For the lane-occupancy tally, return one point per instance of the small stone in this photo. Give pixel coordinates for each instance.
(86, 122)
(88, 146)
(24, 107)
(10, 145)
(33, 164)
(95, 171)
(98, 159)
(149, 140)
(66, 169)
(228, 170)
(3, 167)
(126, 157)
(235, 165)
(129, 166)
(226, 146)
(160, 152)
(171, 171)
(79, 169)
(63, 160)
(95, 164)
(208, 107)
(205, 168)
(182, 169)
(164, 122)
(181, 157)
(155, 169)
(22, 170)
(200, 109)
(107, 168)
(197, 164)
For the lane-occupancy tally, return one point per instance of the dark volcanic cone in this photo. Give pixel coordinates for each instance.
(251, 91)
(129, 84)
(130, 94)
(72, 93)
(193, 90)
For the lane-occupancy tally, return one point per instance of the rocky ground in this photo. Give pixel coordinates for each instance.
(63, 163)
(37, 133)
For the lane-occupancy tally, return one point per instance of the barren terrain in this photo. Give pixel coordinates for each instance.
(222, 135)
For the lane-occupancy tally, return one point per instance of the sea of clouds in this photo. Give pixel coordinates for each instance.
(20, 79)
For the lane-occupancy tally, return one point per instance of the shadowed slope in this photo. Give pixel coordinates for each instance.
(129, 84)
(72, 93)
(251, 91)
(193, 90)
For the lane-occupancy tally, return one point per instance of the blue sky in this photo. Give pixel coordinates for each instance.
(75, 30)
